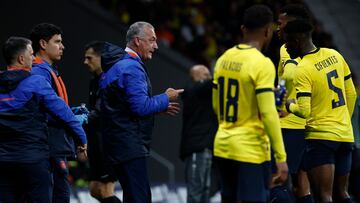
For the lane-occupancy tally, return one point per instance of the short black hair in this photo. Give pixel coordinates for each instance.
(43, 31)
(296, 11)
(97, 46)
(257, 16)
(300, 26)
(13, 47)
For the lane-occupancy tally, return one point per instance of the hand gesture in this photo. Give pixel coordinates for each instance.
(173, 109)
(173, 94)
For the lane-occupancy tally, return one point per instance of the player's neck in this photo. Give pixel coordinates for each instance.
(44, 57)
(308, 47)
(253, 43)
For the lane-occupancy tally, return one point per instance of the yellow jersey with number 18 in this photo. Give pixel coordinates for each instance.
(321, 75)
(240, 73)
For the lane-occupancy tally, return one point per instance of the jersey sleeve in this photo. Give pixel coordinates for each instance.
(265, 76)
(215, 89)
(264, 83)
(350, 92)
(266, 103)
(303, 87)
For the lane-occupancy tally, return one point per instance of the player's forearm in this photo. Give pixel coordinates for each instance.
(266, 103)
(215, 98)
(350, 93)
(302, 108)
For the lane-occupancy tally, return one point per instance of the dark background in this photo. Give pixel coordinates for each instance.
(85, 20)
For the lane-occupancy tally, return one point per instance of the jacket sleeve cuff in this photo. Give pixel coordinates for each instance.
(163, 102)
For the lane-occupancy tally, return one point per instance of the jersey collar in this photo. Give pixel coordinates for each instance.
(243, 46)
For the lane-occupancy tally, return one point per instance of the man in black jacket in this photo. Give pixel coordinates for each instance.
(102, 177)
(198, 132)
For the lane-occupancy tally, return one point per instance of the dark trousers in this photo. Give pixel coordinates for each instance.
(24, 181)
(60, 185)
(199, 176)
(134, 180)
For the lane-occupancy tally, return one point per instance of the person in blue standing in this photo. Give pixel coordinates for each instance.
(24, 150)
(48, 49)
(128, 109)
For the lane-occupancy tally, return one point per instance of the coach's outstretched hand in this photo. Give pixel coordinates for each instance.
(173, 94)
(173, 109)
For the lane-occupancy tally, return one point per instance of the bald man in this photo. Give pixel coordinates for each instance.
(198, 131)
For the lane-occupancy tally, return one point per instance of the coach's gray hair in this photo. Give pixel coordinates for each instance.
(136, 29)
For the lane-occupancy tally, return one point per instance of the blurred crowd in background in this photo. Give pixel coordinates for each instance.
(202, 30)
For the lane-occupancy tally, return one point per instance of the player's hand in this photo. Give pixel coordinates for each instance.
(82, 152)
(288, 102)
(281, 173)
(282, 113)
(173, 109)
(173, 94)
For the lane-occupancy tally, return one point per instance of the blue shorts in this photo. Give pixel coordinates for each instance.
(242, 181)
(321, 152)
(294, 141)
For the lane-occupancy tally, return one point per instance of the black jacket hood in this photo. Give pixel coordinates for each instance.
(111, 54)
(9, 80)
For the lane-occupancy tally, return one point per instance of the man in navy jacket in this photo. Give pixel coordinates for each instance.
(24, 151)
(128, 109)
(48, 48)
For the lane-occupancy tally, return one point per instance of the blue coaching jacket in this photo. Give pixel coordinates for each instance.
(61, 144)
(24, 99)
(127, 106)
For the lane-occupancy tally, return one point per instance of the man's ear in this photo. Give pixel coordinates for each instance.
(42, 43)
(268, 31)
(21, 59)
(137, 41)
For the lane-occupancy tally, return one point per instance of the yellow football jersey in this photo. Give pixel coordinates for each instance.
(240, 73)
(286, 69)
(321, 75)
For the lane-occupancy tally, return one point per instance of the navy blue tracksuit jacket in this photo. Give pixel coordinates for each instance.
(61, 143)
(127, 106)
(24, 99)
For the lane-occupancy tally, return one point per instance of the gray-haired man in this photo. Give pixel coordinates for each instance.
(128, 109)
